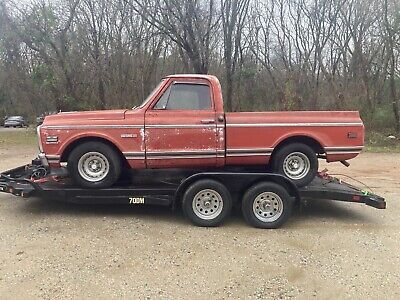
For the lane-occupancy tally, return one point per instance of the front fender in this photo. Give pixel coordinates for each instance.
(87, 135)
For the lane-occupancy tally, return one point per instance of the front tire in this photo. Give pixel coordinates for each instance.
(207, 203)
(94, 165)
(266, 205)
(296, 161)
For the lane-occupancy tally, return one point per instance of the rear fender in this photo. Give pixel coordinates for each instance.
(299, 134)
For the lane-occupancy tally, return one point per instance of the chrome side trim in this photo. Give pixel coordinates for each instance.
(141, 153)
(247, 154)
(134, 155)
(92, 126)
(171, 154)
(157, 126)
(184, 152)
(242, 152)
(249, 150)
(178, 126)
(154, 126)
(344, 148)
(343, 152)
(292, 124)
(182, 157)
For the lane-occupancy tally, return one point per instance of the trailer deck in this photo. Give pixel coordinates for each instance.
(166, 188)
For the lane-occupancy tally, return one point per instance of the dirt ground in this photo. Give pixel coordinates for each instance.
(327, 250)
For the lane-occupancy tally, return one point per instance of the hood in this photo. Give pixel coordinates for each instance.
(87, 115)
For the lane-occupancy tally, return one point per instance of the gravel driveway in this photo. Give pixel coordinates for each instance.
(327, 250)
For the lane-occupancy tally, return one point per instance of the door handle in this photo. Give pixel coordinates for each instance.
(209, 121)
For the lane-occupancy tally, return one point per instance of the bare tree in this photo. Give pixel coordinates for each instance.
(191, 24)
(48, 37)
(391, 38)
(233, 16)
(269, 54)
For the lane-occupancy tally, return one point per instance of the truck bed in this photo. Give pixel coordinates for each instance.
(253, 136)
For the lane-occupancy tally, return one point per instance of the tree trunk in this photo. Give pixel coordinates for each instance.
(393, 93)
(229, 91)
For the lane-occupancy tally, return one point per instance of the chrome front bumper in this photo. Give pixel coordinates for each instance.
(43, 159)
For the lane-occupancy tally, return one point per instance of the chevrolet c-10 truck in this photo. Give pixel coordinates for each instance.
(182, 124)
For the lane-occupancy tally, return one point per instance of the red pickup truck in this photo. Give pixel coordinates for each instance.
(182, 124)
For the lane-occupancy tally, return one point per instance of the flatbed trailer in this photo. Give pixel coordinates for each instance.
(206, 197)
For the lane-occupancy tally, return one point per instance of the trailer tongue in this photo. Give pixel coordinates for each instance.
(206, 197)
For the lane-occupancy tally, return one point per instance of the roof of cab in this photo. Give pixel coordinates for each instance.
(202, 76)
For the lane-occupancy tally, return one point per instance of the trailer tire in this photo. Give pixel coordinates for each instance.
(267, 205)
(207, 203)
(94, 165)
(296, 161)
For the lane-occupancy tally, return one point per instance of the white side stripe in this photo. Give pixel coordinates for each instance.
(291, 124)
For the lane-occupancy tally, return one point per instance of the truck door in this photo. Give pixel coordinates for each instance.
(180, 128)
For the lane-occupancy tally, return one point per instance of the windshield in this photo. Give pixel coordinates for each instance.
(152, 94)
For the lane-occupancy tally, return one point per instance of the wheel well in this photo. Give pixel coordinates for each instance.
(314, 144)
(70, 147)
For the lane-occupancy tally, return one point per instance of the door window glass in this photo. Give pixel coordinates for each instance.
(185, 96)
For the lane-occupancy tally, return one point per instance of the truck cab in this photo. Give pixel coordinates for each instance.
(185, 123)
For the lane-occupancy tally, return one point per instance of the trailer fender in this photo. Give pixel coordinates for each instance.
(246, 181)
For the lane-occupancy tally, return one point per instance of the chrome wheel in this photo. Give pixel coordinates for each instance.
(268, 207)
(296, 165)
(207, 204)
(93, 166)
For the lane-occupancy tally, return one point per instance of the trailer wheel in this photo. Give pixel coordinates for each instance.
(94, 165)
(298, 162)
(266, 205)
(207, 203)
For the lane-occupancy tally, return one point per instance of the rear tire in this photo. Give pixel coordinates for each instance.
(94, 165)
(207, 203)
(296, 161)
(266, 205)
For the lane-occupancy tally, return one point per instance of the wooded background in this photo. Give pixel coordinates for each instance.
(268, 54)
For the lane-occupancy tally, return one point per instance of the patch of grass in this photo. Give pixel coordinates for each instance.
(13, 138)
(380, 142)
